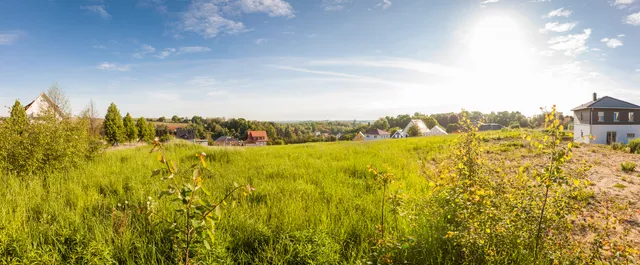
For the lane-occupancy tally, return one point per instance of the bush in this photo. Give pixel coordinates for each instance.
(453, 127)
(628, 166)
(514, 125)
(634, 146)
(617, 146)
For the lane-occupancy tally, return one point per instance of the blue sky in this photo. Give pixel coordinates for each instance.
(320, 59)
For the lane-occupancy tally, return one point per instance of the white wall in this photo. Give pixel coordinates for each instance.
(583, 130)
(369, 137)
(36, 108)
(600, 131)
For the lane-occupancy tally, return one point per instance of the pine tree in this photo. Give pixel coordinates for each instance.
(18, 120)
(150, 132)
(113, 127)
(130, 130)
(141, 125)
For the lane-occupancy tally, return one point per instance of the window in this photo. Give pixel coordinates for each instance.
(631, 136)
(581, 118)
(616, 116)
(630, 116)
(581, 133)
(600, 116)
(375, 136)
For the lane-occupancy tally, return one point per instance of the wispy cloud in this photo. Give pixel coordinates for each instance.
(558, 27)
(113, 67)
(165, 53)
(385, 4)
(194, 49)
(353, 78)
(201, 81)
(99, 47)
(260, 41)
(144, 50)
(560, 12)
(158, 5)
(489, 1)
(10, 37)
(209, 18)
(405, 64)
(335, 5)
(98, 9)
(572, 45)
(612, 43)
(633, 19)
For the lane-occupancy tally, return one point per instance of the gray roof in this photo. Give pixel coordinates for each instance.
(607, 103)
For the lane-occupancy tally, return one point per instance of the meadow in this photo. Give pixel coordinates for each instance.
(316, 203)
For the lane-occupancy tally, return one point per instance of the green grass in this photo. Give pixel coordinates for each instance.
(313, 203)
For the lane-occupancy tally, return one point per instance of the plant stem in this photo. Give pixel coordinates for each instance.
(384, 191)
(544, 204)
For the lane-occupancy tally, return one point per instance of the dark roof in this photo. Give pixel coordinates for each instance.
(377, 132)
(607, 103)
(226, 139)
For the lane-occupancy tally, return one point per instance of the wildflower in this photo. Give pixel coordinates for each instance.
(249, 188)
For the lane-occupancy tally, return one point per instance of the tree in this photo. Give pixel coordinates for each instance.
(381, 124)
(59, 98)
(430, 122)
(453, 119)
(113, 127)
(149, 133)
(130, 130)
(175, 118)
(197, 120)
(141, 126)
(453, 127)
(162, 119)
(91, 114)
(414, 130)
(18, 120)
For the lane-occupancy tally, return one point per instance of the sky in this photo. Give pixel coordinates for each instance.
(320, 59)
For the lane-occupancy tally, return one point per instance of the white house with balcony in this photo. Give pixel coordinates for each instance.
(607, 119)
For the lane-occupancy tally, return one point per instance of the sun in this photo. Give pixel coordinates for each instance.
(498, 44)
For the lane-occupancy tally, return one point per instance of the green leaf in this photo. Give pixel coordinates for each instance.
(196, 173)
(206, 245)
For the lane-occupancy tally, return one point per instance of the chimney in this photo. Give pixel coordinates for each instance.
(595, 96)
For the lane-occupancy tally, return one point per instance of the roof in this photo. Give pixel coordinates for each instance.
(607, 102)
(418, 122)
(257, 133)
(225, 139)
(437, 129)
(48, 99)
(377, 132)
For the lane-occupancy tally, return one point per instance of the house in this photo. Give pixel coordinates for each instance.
(226, 141)
(203, 142)
(490, 127)
(607, 119)
(40, 105)
(256, 138)
(437, 130)
(359, 137)
(397, 134)
(188, 134)
(338, 136)
(376, 134)
(424, 130)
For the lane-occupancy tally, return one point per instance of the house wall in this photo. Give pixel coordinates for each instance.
(600, 131)
(581, 133)
(582, 117)
(608, 116)
(370, 137)
(39, 105)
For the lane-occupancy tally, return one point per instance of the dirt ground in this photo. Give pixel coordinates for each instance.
(616, 191)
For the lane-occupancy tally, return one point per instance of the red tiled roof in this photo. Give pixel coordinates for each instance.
(257, 133)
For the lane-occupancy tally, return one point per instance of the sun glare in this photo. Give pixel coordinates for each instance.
(497, 45)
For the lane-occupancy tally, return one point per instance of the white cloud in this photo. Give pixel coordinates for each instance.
(194, 49)
(621, 35)
(558, 27)
(166, 53)
(99, 47)
(201, 81)
(10, 37)
(547, 53)
(560, 12)
(146, 48)
(398, 63)
(385, 4)
(274, 8)
(595, 49)
(137, 55)
(621, 4)
(218, 93)
(612, 43)
(335, 5)
(490, 1)
(260, 41)
(98, 9)
(633, 19)
(572, 45)
(113, 67)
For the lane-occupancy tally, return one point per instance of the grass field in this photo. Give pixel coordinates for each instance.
(313, 204)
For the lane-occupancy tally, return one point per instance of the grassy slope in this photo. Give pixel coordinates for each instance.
(313, 203)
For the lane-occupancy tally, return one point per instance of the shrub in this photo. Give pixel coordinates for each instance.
(514, 125)
(634, 146)
(628, 166)
(617, 146)
(453, 127)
